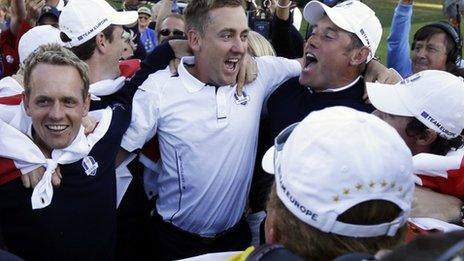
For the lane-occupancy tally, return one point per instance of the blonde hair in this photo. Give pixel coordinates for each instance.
(258, 45)
(313, 244)
(55, 54)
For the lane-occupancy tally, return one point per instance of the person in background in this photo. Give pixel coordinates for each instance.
(173, 25)
(147, 35)
(436, 46)
(427, 110)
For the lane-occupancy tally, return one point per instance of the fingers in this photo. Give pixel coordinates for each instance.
(89, 124)
(26, 181)
(173, 64)
(56, 177)
(31, 179)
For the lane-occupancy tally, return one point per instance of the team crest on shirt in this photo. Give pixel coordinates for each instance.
(90, 165)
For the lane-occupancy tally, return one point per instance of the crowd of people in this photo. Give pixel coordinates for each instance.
(173, 131)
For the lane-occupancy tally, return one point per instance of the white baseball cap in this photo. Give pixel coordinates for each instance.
(335, 159)
(35, 37)
(81, 20)
(352, 16)
(435, 98)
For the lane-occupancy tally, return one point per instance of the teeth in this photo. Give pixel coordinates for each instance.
(57, 127)
(232, 61)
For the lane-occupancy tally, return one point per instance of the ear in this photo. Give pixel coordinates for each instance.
(359, 56)
(86, 106)
(426, 138)
(101, 42)
(194, 40)
(270, 230)
(25, 99)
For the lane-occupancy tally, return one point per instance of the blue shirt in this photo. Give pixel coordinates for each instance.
(398, 41)
(148, 39)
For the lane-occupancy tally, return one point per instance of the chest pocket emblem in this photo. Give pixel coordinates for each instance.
(90, 165)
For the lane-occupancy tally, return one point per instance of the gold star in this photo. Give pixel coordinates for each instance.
(393, 184)
(400, 189)
(372, 184)
(359, 186)
(384, 183)
(346, 191)
(336, 198)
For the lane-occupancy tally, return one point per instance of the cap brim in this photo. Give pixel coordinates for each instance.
(314, 11)
(268, 161)
(389, 98)
(124, 18)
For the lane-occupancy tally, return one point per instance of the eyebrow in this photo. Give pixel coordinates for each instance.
(232, 30)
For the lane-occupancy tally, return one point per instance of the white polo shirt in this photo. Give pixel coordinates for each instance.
(207, 142)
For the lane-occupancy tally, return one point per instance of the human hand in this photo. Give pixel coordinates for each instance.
(428, 203)
(247, 74)
(89, 124)
(33, 9)
(32, 178)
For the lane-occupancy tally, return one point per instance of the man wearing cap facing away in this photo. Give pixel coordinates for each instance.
(325, 203)
(343, 183)
(427, 111)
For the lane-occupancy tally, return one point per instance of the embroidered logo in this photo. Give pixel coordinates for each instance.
(410, 79)
(90, 165)
(242, 99)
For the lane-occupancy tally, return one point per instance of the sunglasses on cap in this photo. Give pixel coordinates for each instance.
(167, 32)
(279, 143)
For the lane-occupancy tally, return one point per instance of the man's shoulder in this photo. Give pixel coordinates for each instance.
(157, 80)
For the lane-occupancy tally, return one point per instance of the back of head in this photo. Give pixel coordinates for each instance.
(258, 45)
(36, 37)
(433, 247)
(343, 183)
(196, 12)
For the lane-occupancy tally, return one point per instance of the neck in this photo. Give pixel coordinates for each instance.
(101, 70)
(47, 151)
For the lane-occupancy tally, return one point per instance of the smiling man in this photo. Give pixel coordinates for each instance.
(344, 38)
(78, 219)
(207, 133)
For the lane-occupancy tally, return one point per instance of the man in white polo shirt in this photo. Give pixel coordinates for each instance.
(207, 132)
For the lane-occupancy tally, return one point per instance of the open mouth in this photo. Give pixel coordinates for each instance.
(231, 64)
(310, 60)
(56, 127)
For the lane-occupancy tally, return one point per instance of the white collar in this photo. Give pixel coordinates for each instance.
(191, 83)
(106, 87)
(343, 87)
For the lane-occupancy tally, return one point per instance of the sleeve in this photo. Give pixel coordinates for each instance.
(286, 39)
(273, 71)
(398, 41)
(145, 113)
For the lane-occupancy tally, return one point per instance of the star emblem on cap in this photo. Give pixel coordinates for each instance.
(393, 184)
(359, 186)
(383, 183)
(336, 198)
(400, 189)
(346, 191)
(371, 184)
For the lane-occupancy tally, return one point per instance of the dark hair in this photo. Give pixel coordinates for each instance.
(452, 43)
(86, 50)
(428, 247)
(441, 146)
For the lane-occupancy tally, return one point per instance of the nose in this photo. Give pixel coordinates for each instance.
(313, 41)
(239, 46)
(56, 112)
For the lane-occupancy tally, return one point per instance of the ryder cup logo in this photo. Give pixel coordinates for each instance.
(90, 165)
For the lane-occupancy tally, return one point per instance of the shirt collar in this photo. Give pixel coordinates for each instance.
(343, 87)
(191, 83)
